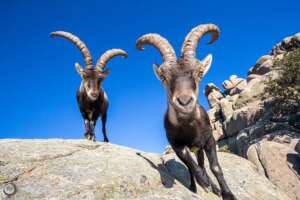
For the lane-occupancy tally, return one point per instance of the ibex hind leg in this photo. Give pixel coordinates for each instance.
(103, 119)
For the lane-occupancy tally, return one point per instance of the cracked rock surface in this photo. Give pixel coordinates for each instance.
(79, 169)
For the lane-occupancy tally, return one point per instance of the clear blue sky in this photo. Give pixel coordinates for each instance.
(38, 79)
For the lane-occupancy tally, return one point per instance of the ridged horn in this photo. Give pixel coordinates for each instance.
(109, 54)
(160, 43)
(82, 47)
(189, 46)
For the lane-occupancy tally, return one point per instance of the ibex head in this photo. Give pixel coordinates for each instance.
(181, 76)
(91, 77)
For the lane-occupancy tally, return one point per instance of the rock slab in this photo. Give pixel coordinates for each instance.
(78, 169)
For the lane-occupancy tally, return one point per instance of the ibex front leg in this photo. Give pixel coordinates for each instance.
(87, 129)
(184, 154)
(200, 159)
(211, 153)
(103, 119)
(92, 125)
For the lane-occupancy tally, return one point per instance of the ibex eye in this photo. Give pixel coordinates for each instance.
(163, 78)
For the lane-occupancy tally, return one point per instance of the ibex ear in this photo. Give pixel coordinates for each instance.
(79, 69)
(157, 71)
(104, 73)
(203, 67)
(206, 63)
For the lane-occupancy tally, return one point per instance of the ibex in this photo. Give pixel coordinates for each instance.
(186, 122)
(91, 98)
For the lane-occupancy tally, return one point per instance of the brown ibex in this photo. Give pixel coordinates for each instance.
(91, 98)
(186, 122)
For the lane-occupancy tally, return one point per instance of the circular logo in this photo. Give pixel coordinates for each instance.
(9, 189)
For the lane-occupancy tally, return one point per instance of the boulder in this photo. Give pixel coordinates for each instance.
(238, 88)
(279, 162)
(240, 142)
(79, 169)
(232, 98)
(288, 44)
(213, 94)
(263, 59)
(214, 114)
(231, 83)
(236, 122)
(218, 132)
(227, 85)
(252, 76)
(253, 92)
(252, 155)
(262, 66)
(226, 108)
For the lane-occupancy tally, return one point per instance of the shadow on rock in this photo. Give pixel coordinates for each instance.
(294, 160)
(178, 171)
(166, 179)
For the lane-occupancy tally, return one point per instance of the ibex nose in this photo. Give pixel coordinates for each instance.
(94, 94)
(184, 100)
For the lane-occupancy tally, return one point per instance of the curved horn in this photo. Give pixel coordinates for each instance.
(75, 40)
(188, 49)
(160, 43)
(109, 54)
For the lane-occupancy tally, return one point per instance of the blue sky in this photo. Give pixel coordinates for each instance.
(39, 81)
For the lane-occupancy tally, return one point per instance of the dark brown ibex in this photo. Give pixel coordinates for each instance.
(91, 98)
(186, 122)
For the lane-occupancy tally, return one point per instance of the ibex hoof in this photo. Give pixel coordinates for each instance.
(193, 188)
(90, 137)
(105, 140)
(215, 189)
(228, 196)
(93, 138)
(206, 188)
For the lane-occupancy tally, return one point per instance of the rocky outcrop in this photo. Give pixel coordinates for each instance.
(234, 85)
(78, 169)
(276, 158)
(287, 44)
(241, 123)
(241, 103)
